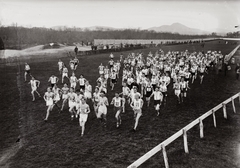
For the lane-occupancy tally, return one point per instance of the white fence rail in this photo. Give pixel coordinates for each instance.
(145, 41)
(155, 41)
(230, 55)
(183, 132)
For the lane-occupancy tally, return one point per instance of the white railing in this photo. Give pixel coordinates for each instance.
(230, 55)
(155, 41)
(145, 41)
(183, 132)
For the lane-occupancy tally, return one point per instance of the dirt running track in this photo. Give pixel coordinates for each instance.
(58, 142)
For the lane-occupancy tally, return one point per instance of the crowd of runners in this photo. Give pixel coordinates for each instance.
(142, 78)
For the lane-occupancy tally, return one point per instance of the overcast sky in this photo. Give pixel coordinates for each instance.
(205, 15)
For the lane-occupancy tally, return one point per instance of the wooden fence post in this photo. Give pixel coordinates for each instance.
(165, 156)
(185, 141)
(201, 128)
(224, 111)
(214, 119)
(233, 104)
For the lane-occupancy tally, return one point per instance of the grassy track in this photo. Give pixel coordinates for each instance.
(58, 142)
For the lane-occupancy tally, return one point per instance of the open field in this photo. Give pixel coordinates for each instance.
(41, 51)
(57, 143)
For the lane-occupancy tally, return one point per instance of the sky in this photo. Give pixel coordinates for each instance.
(205, 15)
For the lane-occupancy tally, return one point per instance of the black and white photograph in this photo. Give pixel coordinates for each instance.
(119, 84)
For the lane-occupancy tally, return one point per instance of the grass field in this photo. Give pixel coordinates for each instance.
(57, 143)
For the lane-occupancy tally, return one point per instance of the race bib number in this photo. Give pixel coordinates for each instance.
(81, 82)
(117, 104)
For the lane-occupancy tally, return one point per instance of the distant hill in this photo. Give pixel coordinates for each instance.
(100, 28)
(173, 28)
(179, 28)
(92, 28)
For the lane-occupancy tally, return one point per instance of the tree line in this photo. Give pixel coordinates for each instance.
(233, 34)
(19, 37)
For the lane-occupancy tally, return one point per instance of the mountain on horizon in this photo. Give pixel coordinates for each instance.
(179, 28)
(173, 28)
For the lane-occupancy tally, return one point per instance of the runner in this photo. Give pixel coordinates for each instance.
(136, 105)
(64, 73)
(154, 81)
(106, 72)
(72, 64)
(118, 106)
(193, 72)
(117, 67)
(111, 56)
(113, 77)
(78, 100)
(167, 79)
(133, 93)
(88, 90)
(64, 93)
(27, 71)
(126, 94)
(82, 81)
(130, 81)
(202, 69)
(111, 62)
(56, 92)
(72, 102)
(100, 79)
(60, 66)
(48, 97)
(53, 80)
(121, 58)
(34, 85)
(187, 76)
(158, 98)
(148, 91)
(163, 89)
(76, 62)
(101, 69)
(73, 81)
(102, 108)
(95, 100)
(143, 82)
(103, 85)
(177, 90)
(83, 111)
(184, 87)
(76, 50)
